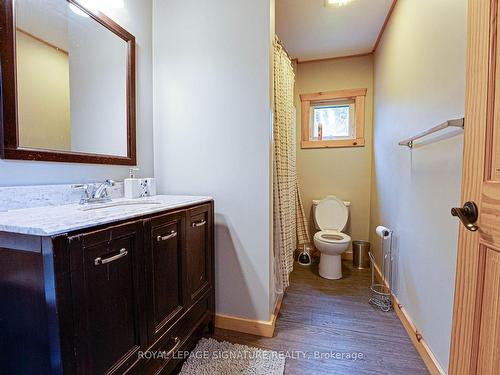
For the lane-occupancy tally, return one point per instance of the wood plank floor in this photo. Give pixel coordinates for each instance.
(319, 315)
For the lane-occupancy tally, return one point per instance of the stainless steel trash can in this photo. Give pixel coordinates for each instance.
(360, 257)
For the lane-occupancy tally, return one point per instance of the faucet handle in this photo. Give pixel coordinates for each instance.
(85, 188)
(108, 183)
(86, 193)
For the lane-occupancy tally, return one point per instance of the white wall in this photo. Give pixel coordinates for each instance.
(420, 82)
(97, 58)
(212, 133)
(136, 17)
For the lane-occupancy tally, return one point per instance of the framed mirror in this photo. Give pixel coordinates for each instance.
(67, 83)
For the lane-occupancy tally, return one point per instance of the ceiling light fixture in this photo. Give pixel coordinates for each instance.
(336, 3)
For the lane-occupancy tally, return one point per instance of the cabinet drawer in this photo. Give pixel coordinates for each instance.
(181, 338)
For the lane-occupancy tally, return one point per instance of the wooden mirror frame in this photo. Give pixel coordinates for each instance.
(9, 140)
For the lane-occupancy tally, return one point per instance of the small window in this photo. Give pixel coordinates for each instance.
(333, 119)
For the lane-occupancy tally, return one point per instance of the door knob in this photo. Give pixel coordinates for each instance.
(468, 215)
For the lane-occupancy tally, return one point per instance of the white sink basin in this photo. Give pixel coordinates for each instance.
(100, 206)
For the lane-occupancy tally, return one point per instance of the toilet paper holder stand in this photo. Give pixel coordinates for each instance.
(382, 291)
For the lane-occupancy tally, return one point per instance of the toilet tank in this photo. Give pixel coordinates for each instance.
(315, 203)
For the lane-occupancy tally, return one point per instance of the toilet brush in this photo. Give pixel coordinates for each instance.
(304, 258)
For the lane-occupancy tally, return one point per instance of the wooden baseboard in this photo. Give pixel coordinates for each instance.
(416, 337)
(254, 327)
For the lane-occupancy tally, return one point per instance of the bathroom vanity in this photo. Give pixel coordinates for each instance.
(112, 290)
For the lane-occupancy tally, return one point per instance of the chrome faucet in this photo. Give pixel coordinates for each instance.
(102, 191)
(91, 194)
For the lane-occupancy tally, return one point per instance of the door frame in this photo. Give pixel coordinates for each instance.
(478, 114)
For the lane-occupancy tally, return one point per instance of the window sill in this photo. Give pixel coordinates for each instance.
(359, 142)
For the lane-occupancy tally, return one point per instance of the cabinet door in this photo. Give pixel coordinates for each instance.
(108, 303)
(198, 251)
(164, 261)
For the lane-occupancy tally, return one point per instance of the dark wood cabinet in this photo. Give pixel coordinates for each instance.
(103, 300)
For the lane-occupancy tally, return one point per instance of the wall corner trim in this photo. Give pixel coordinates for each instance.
(416, 337)
(384, 25)
(254, 327)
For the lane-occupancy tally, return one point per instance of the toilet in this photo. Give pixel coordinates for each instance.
(330, 216)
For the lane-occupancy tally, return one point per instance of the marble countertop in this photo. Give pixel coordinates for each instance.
(52, 220)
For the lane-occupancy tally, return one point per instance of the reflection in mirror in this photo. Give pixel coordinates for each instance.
(71, 80)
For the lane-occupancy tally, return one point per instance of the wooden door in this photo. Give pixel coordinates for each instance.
(198, 251)
(107, 287)
(164, 269)
(475, 347)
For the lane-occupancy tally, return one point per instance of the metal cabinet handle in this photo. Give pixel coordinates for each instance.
(98, 261)
(176, 346)
(199, 223)
(468, 215)
(167, 237)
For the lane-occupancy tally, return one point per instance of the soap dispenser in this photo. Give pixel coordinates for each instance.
(132, 185)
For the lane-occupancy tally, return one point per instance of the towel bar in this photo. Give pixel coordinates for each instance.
(457, 123)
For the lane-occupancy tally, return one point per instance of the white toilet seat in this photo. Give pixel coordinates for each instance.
(332, 236)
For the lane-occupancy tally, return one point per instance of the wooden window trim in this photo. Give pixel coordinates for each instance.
(307, 100)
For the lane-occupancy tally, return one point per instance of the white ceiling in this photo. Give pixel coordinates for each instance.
(309, 30)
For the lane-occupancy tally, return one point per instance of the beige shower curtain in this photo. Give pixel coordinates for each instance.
(290, 225)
